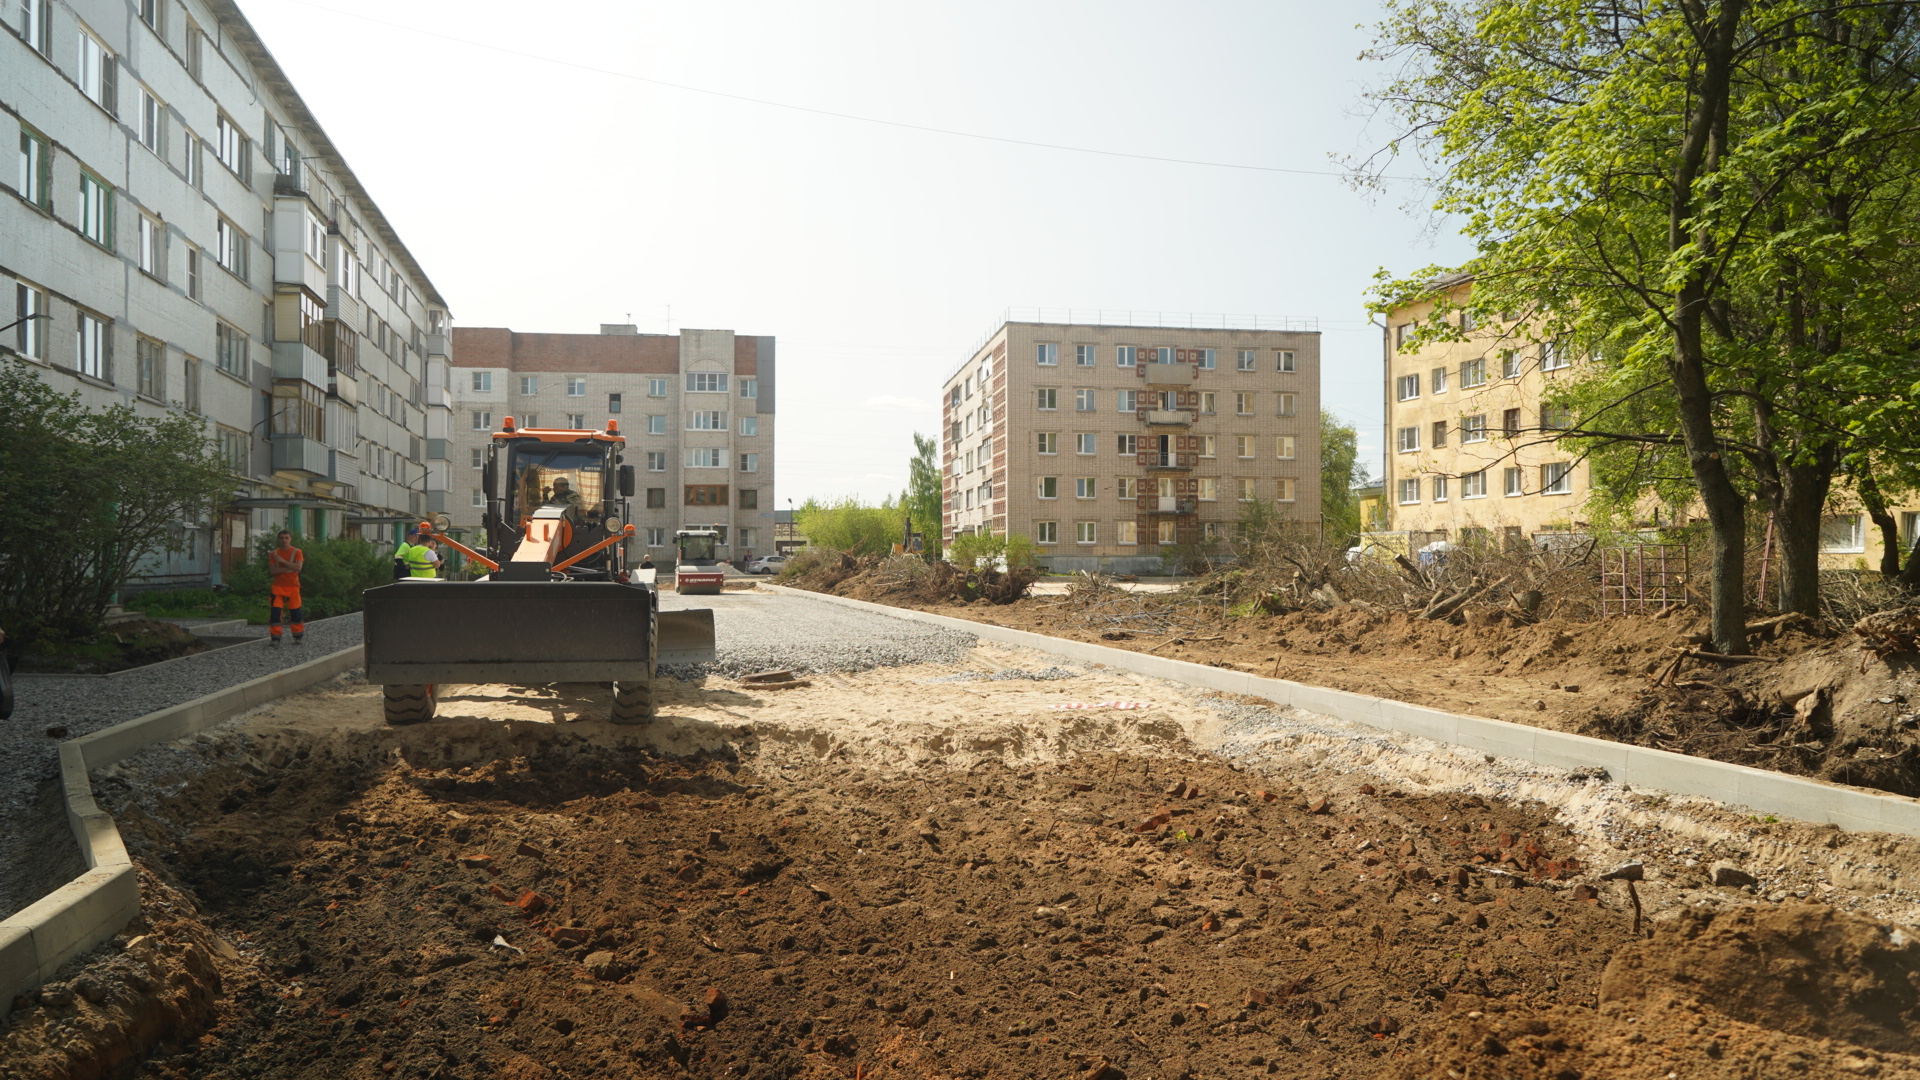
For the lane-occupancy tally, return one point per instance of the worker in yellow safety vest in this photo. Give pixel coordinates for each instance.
(422, 560)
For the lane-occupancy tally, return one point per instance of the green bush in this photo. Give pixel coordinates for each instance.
(852, 526)
(337, 572)
(969, 551)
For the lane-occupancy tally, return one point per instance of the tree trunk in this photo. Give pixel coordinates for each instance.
(1877, 512)
(1803, 498)
(1909, 578)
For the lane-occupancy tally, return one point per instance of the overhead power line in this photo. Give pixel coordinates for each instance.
(929, 128)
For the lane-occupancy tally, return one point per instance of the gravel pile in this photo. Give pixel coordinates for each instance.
(36, 851)
(766, 631)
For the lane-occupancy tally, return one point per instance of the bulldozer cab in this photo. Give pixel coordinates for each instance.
(575, 480)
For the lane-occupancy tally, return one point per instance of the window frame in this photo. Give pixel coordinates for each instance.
(94, 218)
(93, 352)
(1048, 487)
(1561, 482)
(36, 168)
(1247, 360)
(1046, 353)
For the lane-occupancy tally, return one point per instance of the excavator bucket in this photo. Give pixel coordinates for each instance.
(686, 636)
(428, 631)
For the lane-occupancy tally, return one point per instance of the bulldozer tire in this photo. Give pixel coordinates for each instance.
(407, 704)
(633, 702)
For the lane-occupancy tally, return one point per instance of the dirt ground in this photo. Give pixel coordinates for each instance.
(1000, 869)
(1815, 706)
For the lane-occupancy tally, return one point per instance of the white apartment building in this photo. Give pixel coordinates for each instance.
(180, 235)
(697, 409)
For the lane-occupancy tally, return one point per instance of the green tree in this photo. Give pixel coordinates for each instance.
(1340, 471)
(850, 525)
(1713, 199)
(926, 496)
(85, 496)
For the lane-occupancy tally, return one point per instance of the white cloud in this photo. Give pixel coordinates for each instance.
(893, 403)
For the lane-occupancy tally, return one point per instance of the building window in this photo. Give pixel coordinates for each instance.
(1049, 487)
(530, 420)
(1129, 445)
(233, 450)
(483, 382)
(1246, 489)
(1440, 489)
(1209, 489)
(230, 248)
(706, 382)
(1406, 387)
(1083, 355)
(1125, 355)
(656, 388)
(1286, 361)
(656, 425)
(1126, 532)
(1285, 494)
(1407, 439)
(36, 170)
(577, 420)
(749, 500)
(613, 403)
(704, 457)
(1474, 485)
(96, 210)
(1127, 488)
(1207, 402)
(1243, 404)
(1439, 434)
(1083, 443)
(749, 462)
(1283, 448)
(1409, 492)
(1510, 423)
(193, 161)
(706, 495)
(1473, 373)
(529, 385)
(1046, 532)
(230, 146)
(1516, 481)
(1167, 533)
(1083, 401)
(1047, 399)
(153, 13)
(1246, 360)
(657, 536)
(576, 387)
(656, 498)
(34, 23)
(749, 388)
(1083, 487)
(1553, 356)
(92, 351)
(748, 537)
(1556, 417)
(749, 426)
(478, 457)
(1286, 404)
(1842, 533)
(1048, 442)
(1127, 400)
(1437, 380)
(150, 372)
(1556, 478)
(96, 73)
(230, 349)
(1473, 428)
(287, 160)
(707, 420)
(153, 123)
(656, 461)
(30, 334)
(482, 421)
(1243, 446)
(1086, 532)
(190, 384)
(1207, 445)
(1046, 354)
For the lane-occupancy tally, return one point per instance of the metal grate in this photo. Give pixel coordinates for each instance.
(1642, 578)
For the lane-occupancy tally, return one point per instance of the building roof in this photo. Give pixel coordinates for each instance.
(241, 31)
(597, 354)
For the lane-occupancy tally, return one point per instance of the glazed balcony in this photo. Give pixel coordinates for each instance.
(1154, 459)
(1181, 417)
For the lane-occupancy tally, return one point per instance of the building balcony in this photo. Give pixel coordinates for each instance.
(298, 360)
(342, 305)
(301, 454)
(436, 502)
(1181, 417)
(437, 345)
(439, 396)
(1167, 374)
(1167, 504)
(1154, 459)
(437, 450)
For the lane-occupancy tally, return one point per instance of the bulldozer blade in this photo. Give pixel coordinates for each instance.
(685, 636)
(423, 630)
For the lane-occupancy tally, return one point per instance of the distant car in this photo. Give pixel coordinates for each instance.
(767, 564)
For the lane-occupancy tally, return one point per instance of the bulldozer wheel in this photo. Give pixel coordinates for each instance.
(633, 702)
(408, 704)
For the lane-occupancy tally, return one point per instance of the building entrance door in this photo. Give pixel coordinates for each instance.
(232, 539)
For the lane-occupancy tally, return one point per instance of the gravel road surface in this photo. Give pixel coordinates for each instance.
(755, 631)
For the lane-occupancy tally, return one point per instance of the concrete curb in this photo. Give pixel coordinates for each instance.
(148, 669)
(36, 940)
(1759, 790)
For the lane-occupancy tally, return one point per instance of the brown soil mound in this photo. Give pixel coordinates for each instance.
(1820, 705)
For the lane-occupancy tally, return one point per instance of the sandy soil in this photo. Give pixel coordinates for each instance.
(949, 871)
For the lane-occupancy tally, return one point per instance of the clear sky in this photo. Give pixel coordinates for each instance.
(544, 183)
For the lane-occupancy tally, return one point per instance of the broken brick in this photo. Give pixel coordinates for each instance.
(570, 935)
(1156, 821)
(1256, 996)
(1366, 789)
(1319, 806)
(1584, 891)
(531, 903)
(529, 851)
(475, 862)
(1266, 874)
(1268, 796)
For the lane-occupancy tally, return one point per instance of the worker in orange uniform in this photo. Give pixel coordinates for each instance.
(285, 563)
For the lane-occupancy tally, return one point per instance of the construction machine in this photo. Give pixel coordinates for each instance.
(696, 568)
(558, 604)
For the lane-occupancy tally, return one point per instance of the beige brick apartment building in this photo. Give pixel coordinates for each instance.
(1469, 442)
(696, 408)
(1104, 443)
